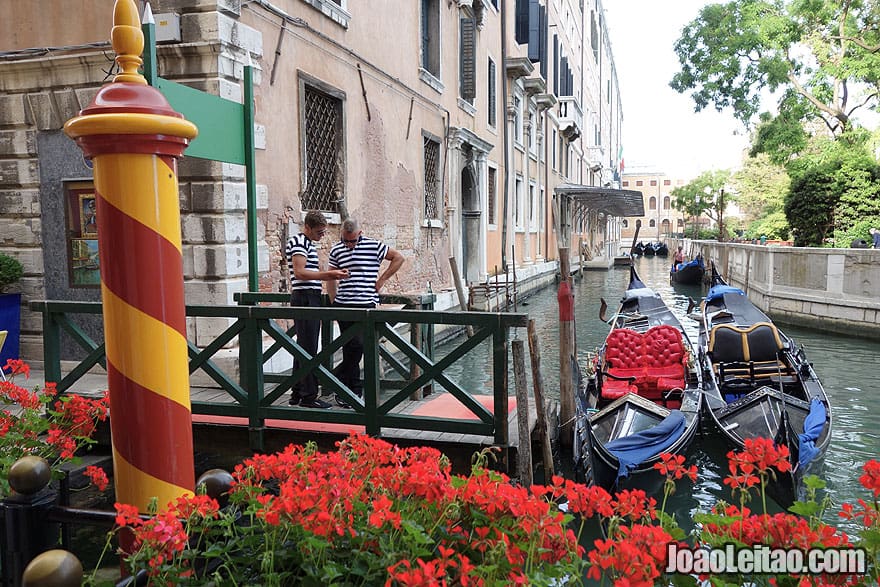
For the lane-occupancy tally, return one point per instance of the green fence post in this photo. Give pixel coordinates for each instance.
(250, 361)
(499, 377)
(371, 376)
(51, 346)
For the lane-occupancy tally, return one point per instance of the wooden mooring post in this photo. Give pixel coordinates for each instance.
(524, 452)
(540, 407)
(566, 350)
(459, 290)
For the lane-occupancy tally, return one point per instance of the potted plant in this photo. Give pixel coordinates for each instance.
(11, 271)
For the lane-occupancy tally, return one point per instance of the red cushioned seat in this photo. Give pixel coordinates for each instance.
(623, 359)
(665, 358)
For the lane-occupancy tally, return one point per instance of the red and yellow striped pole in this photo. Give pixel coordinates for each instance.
(134, 138)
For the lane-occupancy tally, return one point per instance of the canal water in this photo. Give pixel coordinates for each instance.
(845, 365)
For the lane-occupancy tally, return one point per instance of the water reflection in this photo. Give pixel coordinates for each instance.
(845, 366)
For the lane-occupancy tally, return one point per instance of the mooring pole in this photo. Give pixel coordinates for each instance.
(134, 137)
(565, 298)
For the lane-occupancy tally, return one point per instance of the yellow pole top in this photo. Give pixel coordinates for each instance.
(127, 39)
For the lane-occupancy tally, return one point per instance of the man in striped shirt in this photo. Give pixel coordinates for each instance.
(305, 290)
(361, 257)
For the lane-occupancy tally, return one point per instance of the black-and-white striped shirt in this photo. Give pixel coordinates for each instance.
(363, 263)
(301, 245)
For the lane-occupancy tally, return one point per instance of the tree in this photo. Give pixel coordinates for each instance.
(835, 187)
(824, 54)
(809, 206)
(761, 187)
(704, 195)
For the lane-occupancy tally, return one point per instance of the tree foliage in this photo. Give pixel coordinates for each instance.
(824, 55)
(835, 187)
(761, 187)
(703, 196)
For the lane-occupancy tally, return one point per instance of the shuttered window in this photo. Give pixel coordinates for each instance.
(468, 39)
(521, 25)
(490, 203)
(491, 107)
(431, 37)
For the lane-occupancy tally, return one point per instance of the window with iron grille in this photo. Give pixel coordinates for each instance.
(323, 161)
(432, 157)
(490, 203)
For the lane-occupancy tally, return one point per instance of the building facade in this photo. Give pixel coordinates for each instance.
(444, 126)
(661, 220)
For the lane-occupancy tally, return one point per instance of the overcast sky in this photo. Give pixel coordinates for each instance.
(660, 127)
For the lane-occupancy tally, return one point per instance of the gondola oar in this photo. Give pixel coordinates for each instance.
(603, 307)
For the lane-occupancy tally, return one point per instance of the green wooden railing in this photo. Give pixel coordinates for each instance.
(411, 366)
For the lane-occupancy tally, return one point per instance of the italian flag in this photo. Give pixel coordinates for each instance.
(620, 157)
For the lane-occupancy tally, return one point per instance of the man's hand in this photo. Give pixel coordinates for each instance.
(339, 273)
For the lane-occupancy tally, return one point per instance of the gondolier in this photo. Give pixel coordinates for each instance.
(362, 258)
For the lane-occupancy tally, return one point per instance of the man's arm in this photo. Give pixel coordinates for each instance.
(300, 271)
(396, 260)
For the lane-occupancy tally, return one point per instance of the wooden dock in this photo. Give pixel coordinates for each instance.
(222, 441)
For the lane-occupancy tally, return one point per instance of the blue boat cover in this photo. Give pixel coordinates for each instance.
(641, 446)
(718, 291)
(813, 425)
(698, 262)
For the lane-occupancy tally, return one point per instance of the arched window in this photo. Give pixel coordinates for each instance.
(652, 203)
(664, 227)
(666, 203)
(680, 222)
(653, 223)
(626, 223)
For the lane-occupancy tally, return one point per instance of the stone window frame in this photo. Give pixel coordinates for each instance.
(437, 220)
(335, 10)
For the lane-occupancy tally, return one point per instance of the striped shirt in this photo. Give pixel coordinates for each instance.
(363, 263)
(300, 245)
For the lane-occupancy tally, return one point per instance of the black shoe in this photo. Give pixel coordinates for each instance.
(314, 403)
(341, 402)
(294, 400)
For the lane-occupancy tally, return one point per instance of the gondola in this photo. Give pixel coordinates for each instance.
(759, 384)
(689, 273)
(648, 250)
(643, 397)
(660, 249)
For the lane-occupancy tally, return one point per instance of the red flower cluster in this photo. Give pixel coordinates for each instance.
(42, 424)
(753, 464)
(394, 516)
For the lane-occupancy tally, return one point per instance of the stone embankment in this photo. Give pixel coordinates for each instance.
(831, 289)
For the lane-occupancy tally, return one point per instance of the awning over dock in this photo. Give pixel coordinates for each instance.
(611, 201)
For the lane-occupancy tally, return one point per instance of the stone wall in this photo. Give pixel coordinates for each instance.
(831, 289)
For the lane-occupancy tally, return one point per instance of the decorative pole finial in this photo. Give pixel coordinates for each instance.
(128, 42)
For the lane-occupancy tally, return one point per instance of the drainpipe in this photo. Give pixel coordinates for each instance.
(505, 139)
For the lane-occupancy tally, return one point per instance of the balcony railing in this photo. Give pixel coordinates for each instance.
(570, 113)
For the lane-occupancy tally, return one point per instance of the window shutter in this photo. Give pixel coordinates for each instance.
(534, 30)
(521, 26)
(492, 94)
(555, 65)
(468, 57)
(542, 41)
(563, 77)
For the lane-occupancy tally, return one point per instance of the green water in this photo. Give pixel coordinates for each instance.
(845, 365)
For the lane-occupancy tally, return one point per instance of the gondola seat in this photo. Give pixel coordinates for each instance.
(624, 366)
(665, 360)
(649, 364)
(742, 355)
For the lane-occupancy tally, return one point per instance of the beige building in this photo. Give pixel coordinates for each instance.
(661, 220)
(443, 125)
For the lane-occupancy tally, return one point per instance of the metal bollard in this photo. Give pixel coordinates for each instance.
(26, 530)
